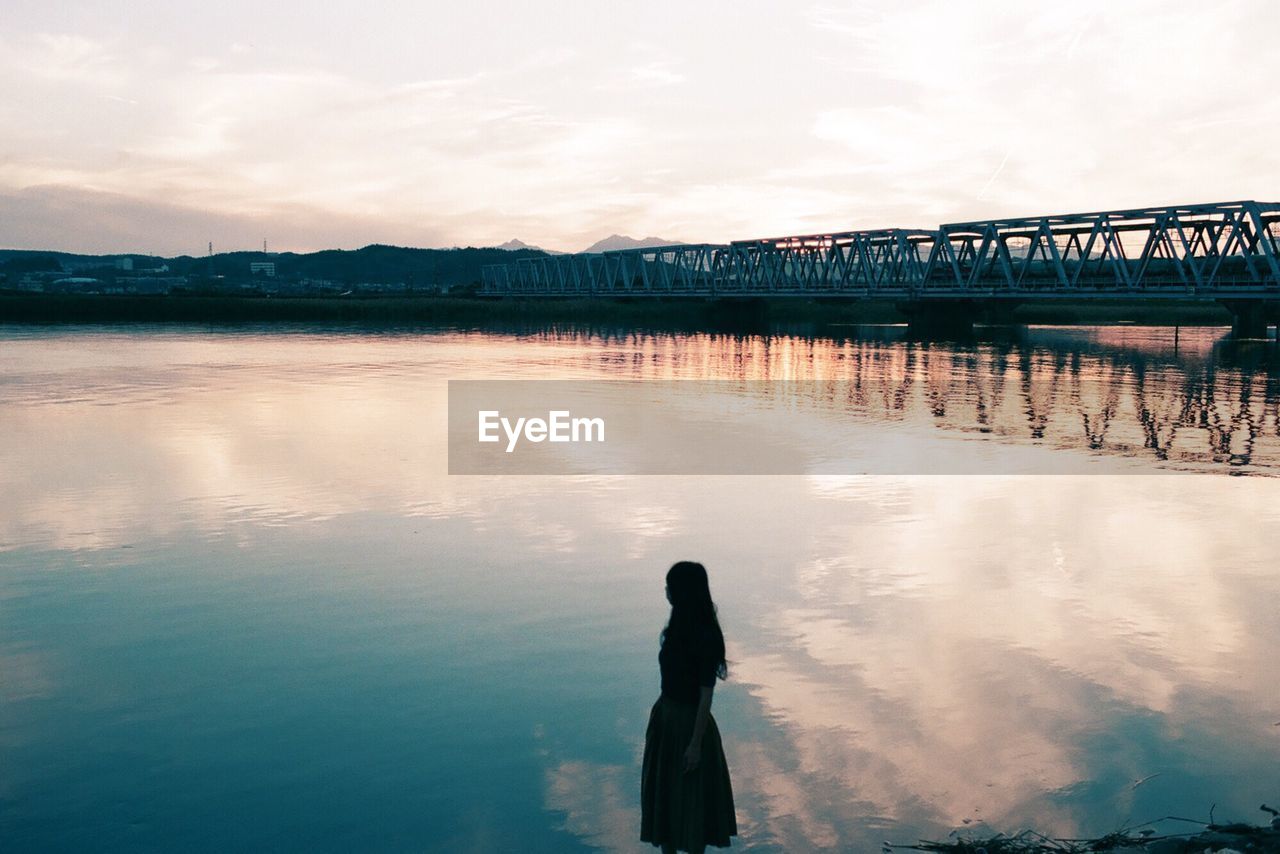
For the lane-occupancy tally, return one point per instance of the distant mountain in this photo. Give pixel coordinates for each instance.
(621, 241)
(515, 244)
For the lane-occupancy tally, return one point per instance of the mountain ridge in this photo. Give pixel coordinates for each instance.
(373, 263)
(621, 241)
(515, 244)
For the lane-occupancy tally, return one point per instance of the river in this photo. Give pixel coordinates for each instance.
(243, 605)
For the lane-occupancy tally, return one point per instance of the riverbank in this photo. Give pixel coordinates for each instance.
(1226, 838)
(113, 308)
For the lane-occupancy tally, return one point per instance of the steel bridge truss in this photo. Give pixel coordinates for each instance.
(684, 269)
(1226, 249)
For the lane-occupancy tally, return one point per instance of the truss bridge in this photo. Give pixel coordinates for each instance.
(1228, 251)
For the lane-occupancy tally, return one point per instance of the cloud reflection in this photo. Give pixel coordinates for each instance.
(598, 803)
(962, 674)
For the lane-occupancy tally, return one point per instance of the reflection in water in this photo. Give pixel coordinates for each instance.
(1209, 403)
(1024, 676)
(235, 580)
(597, 803)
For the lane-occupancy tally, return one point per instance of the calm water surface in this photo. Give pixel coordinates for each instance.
(243, 606)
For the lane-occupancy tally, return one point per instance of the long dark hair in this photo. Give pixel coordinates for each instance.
(693, 614)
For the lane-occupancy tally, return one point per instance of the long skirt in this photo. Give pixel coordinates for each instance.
(687, 810)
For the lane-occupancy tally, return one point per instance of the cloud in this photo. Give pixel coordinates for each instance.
(65, 58)
(63, 218)
(656, 73)
(252, 143)
(842, 116)
(1055, 110)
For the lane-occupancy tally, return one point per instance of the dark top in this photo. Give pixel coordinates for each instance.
(686, 667)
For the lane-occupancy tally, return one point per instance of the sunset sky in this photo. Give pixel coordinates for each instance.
(160, 126)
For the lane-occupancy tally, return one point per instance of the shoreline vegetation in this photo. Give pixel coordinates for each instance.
(23, 307)
(1236, 837)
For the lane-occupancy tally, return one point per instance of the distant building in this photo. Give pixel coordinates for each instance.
(262, 268)
(319, 284)
(150, 284)
(72, 284)
(76, 265)
(124, 263)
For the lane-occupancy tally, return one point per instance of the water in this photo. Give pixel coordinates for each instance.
(243, 606)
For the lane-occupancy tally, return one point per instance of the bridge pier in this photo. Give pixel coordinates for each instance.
(747, 312)
(1249, 317)
(941, 318)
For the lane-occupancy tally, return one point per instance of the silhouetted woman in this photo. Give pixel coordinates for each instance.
(686, 802)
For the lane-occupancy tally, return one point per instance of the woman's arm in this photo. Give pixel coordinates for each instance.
(694, 752)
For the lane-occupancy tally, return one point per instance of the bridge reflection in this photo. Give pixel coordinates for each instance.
(1204, 402)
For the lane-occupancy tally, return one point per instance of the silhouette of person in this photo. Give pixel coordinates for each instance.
(686, 800)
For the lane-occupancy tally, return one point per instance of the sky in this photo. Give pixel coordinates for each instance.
(159, 127)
